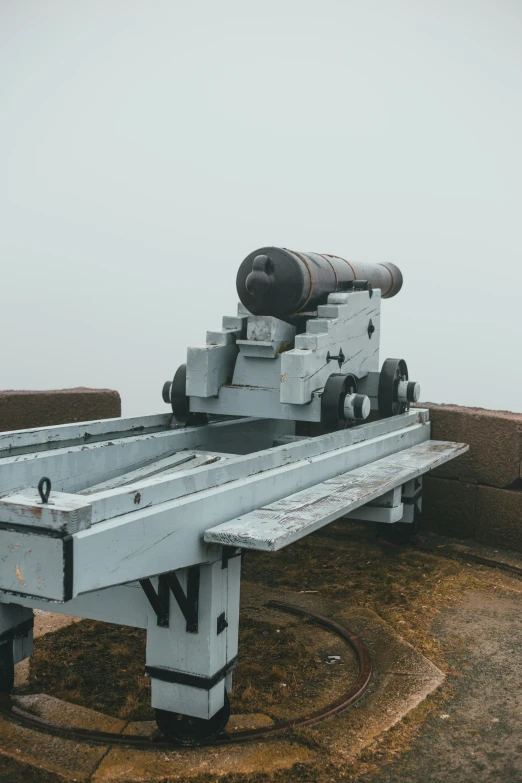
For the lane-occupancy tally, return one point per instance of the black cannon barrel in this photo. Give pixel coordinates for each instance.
(280, 282)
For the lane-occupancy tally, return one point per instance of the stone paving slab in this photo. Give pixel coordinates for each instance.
(391, 698)
(391, 653)
(475, 737)
(130, 766)
(73, 760)
(403, 678)
(64, 712)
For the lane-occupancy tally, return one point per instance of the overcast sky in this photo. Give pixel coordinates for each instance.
(148, 146)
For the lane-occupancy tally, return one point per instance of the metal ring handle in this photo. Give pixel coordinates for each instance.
(44, 488)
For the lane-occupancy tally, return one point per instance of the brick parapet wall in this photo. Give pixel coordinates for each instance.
(26, 409)
(477, 495)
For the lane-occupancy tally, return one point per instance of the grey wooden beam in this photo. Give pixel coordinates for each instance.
(278, 524)
(170, 536)
(161, 489)
(84, 432)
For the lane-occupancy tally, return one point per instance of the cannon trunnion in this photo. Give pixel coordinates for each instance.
(281, 423)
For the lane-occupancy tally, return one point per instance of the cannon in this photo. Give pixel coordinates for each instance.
(281, 423)
(304, 346)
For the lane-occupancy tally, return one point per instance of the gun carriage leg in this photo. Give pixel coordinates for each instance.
(402, 532)
(192, 637)
(16, 641)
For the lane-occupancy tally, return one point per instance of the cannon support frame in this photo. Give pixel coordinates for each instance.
(140, 521)
(131, 528)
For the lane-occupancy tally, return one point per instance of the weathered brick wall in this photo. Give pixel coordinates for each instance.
(478, 495)
(24, 409)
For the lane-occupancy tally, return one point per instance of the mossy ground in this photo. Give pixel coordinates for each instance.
(101, 666)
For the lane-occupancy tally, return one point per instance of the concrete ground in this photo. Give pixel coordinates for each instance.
(477, 738)
(402, 680)
(468, 731)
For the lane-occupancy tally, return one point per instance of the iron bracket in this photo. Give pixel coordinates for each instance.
(228, 553)
(188, 604)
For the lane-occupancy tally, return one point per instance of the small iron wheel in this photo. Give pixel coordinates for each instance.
(335, 390)
(175, 393)
(6, 668)
(190, 732)
(393, 371)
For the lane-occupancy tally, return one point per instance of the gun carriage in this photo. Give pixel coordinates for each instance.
(283, 422)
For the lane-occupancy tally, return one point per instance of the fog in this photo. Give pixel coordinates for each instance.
(147, 147)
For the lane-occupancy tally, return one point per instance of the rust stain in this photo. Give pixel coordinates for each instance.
(18, 574)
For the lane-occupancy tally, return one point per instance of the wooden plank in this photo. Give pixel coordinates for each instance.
(247, 400)
(77, 467)
(370, 513)
(161, 538)
(153, 535)
(162, 489)
(233, 572)
(181, 460)
(306, 368)
(210, 366)
(63, 512)
(275, 526)
(32, 565)
(122, 605)
(85, 431)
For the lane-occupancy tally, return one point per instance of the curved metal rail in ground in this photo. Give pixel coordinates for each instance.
(349, 697)
(444, 550)
(470, 557)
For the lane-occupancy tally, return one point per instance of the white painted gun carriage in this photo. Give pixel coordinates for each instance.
(142, 521)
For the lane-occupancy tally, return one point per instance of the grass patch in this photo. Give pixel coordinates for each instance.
(101, 666)
(405, 586)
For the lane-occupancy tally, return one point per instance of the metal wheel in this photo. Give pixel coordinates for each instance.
(335, 390)
(175, 393)
(191, 732)
(393, 371)
(6, 668)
